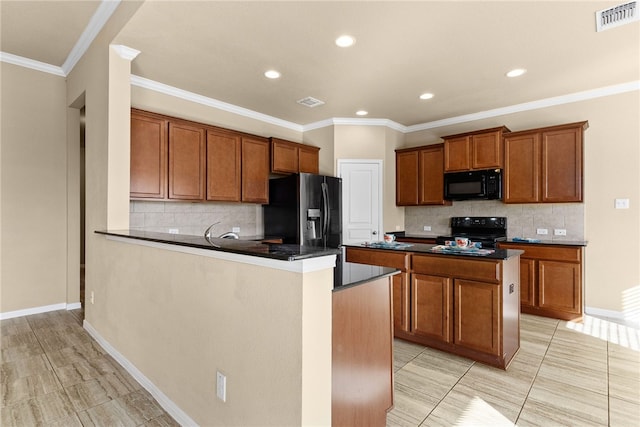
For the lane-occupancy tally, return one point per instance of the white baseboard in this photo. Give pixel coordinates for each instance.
(617, 316)
(167, 404)
(38, 310)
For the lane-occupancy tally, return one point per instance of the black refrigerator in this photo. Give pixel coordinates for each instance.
(305, 209)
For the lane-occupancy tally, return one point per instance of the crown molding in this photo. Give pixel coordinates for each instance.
(211, 102)
(21, 61)
(528, 106)
(95, 25)
(125, 52)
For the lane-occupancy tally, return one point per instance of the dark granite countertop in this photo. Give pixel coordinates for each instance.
(549, 242)
(422, 248)
(349, 274)
(283, 252)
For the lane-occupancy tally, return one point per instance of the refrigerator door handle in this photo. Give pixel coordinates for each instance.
(325, 207)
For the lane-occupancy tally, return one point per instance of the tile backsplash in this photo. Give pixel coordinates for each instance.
(194, 218)
(522, 219)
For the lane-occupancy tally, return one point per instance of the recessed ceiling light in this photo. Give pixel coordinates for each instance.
(272, 74)
(426, 96)
(345, 41)
(362, 112)
(516, 72)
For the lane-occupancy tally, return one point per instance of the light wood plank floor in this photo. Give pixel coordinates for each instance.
(566, 374)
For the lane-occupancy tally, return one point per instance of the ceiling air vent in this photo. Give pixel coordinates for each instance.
(310, 102)
(616, 16)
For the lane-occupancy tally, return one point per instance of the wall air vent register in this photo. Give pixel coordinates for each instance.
(616, 16)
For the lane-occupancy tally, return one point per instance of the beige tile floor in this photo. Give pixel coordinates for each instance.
(566, 374)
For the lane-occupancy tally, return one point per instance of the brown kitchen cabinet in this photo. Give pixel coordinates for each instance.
(544, 165)
(469, 307)
(255, 169)
(148, 164)
(187, 159)
(291, 157)
(224, 179)
(474, 150)
(432, 308)
(419, 176)
(401, 286)
(550, 279)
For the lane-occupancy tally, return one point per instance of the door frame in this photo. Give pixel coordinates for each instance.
(379, 163)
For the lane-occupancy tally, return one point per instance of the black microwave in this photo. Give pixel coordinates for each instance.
(479, 185)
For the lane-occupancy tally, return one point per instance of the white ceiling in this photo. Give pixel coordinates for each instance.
(458, 50)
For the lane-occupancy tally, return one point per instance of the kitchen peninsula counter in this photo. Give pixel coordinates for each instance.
(246, 305)
(256, 248)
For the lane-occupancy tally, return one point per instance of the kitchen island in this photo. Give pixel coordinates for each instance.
(177, 310)
(463, 302)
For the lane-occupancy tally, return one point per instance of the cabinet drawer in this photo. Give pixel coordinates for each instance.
(384, 258)
(553, 253)
(487, 271)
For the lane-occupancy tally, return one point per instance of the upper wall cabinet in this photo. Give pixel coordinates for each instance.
(255, 169)
(223, 165)
(419, 176)
(187, 154)
(174, 159)
(290, 157)
(474, 150)
(148, 165)
(544, 165)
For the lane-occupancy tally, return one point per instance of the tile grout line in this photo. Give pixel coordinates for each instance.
(555, 329)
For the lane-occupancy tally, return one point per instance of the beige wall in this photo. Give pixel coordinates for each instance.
(270, 337)
(34, 190)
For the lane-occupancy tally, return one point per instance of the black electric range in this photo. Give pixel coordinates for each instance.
(488, 230)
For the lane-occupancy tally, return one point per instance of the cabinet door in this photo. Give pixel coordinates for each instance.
(486, 150)
(432, 306)
(527, 282)
(431, 177)
(308, 159)
(407, 178)
(559, 286)
(401, 291)
(223, 166)
(522, 169)
(477, 316)
(255, 170)
(457, 154)
(284, 156)
(187, 153)
(148, 157)
(562, 165)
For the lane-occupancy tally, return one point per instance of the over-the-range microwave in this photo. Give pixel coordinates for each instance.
(478, 185)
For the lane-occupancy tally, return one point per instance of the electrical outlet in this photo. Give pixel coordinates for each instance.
(542, 231)
(92, 298)
(427, 228)
(560, 232)
(173, 231)
(221, 386)
(235, 229)
(622, 203)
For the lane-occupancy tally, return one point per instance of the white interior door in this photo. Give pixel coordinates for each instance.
(361, 200)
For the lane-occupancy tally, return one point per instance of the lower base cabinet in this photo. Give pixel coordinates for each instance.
(466, 306)
(432, 309)
(477, 314)
(550, 280)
